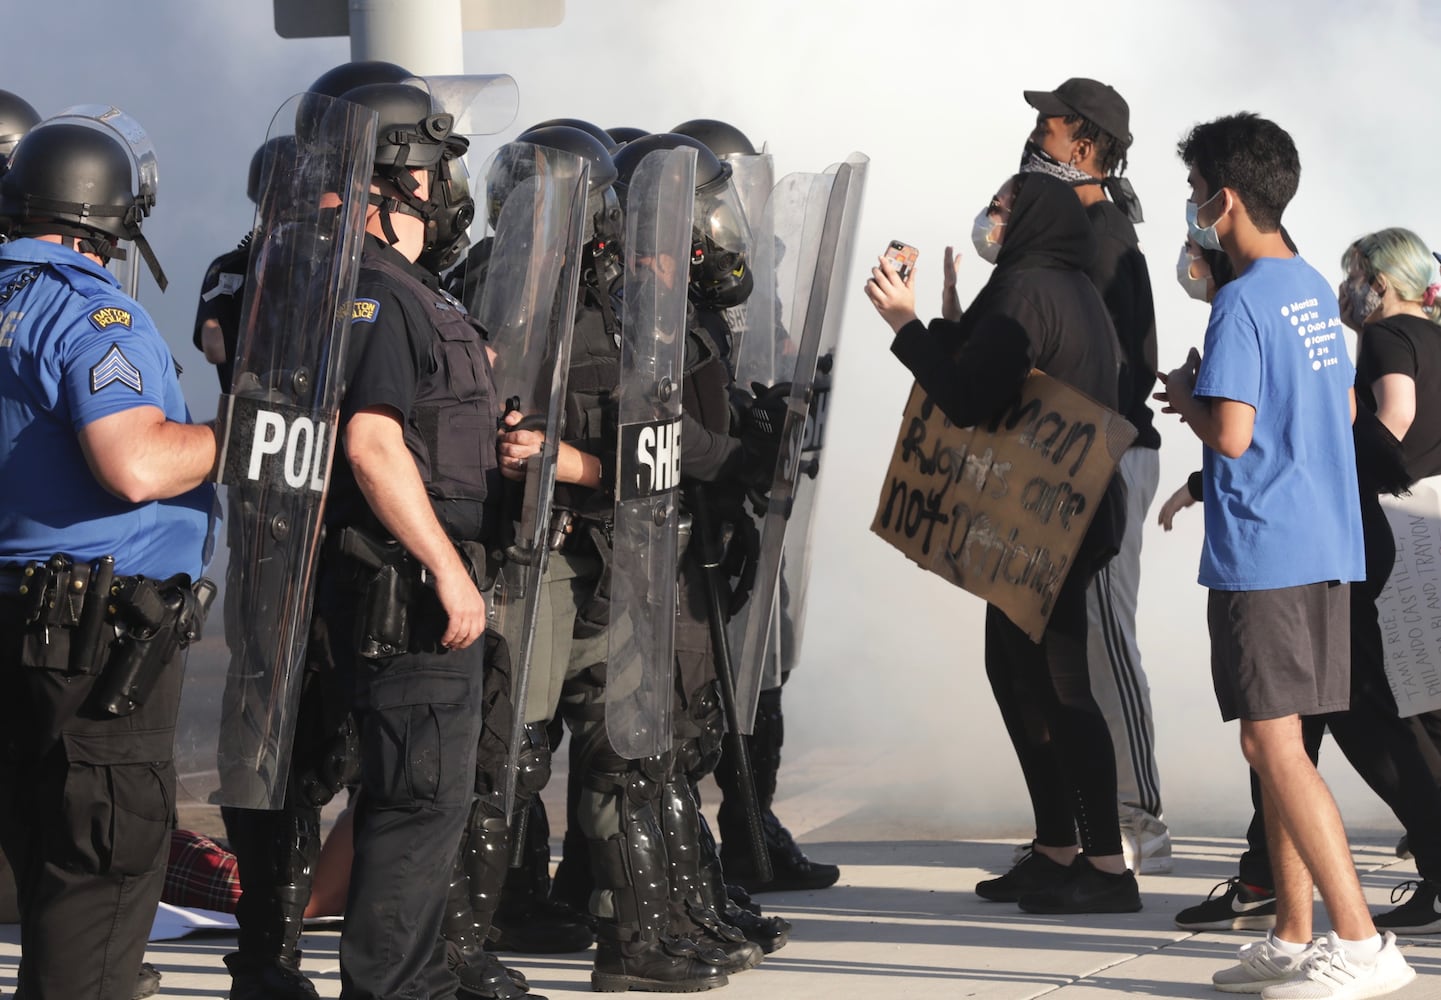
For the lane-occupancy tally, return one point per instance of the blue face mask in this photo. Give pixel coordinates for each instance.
(1205, 238)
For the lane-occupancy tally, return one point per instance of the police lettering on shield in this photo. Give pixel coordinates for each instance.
(277, 446)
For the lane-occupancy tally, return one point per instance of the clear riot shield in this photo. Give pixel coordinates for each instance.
(527, 306)
(279, 425)
(802, 261)
(753, 176)
(644, 561)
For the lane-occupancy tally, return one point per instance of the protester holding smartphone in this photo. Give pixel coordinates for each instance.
(1038, 310)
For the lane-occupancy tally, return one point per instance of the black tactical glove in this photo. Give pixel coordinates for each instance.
(760, 432)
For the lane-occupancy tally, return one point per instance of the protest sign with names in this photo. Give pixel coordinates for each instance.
(1000, 509)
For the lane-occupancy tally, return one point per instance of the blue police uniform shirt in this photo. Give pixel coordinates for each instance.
(74, 349)
(1287, 512)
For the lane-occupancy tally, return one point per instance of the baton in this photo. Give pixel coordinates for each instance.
(740, 750)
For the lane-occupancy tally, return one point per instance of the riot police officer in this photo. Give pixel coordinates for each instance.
(650, 937)
(397, 601)
(104, 520)
(277, 849)
(790, 867)
(485, 898)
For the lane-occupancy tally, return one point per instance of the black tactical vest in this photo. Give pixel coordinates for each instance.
(453, 421)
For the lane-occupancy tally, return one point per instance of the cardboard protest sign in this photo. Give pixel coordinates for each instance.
(1409, 607)
(1000, 509)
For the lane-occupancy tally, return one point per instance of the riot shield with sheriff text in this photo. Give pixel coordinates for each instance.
(279, 434)
(527, 307)
(644, 561)
(804, 245)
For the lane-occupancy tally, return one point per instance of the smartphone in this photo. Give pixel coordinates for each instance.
(902, 257)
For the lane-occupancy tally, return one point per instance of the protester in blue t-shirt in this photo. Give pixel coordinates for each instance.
(1272, 402)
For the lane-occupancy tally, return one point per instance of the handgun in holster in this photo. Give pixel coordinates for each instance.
(384, 625)
(156, 619)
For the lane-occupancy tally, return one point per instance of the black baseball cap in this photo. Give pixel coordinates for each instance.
(1095, 101)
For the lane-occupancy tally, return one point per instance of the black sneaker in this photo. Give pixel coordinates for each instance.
(1421, 914)
(1033, 871)
(1239, 908)
(1403, 848)
(1086, 889)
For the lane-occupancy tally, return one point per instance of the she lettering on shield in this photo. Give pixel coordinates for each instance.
(1038, 310)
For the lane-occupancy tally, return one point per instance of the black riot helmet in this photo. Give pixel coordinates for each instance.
(336, 81)
(603, 215)
(408, 135)
(446, 233)
(720, 273)
(276, 156)
(622, 134)
(16, 118)
(721, 138)
(69, 178)
(590, 128)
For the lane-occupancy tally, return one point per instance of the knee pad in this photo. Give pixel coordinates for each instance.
(533, 772)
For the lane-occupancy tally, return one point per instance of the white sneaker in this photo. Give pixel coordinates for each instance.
(1261, 964)
(1146, 843)
(1329, 974)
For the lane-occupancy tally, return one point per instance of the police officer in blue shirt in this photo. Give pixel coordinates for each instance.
(104, 516)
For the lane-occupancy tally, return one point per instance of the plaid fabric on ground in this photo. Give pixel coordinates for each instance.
(202, 874)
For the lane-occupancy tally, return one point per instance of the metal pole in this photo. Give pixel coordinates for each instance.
(424, 36)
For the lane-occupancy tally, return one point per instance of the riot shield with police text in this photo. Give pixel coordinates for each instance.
(527, 307)
(644, 561)
(804, 246)
(279, 423)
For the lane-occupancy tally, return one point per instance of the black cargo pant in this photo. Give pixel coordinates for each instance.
(418, 716)
(87, 802)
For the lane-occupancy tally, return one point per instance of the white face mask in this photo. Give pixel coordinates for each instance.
(982, 233)
(1206, 238)
(1196, 288)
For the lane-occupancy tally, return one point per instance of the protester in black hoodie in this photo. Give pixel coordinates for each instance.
(1038, 310)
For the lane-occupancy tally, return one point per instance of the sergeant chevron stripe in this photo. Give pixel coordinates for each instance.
(115, 367)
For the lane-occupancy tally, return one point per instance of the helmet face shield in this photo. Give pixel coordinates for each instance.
(720, 270)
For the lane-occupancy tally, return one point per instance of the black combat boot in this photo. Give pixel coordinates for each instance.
(691, 915)
(634, 949)
(471, 900)
(528, 920)
(734, 904)
(790, 868)
(275, 852)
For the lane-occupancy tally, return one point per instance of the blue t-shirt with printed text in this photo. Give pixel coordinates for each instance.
(1287, 512)
(74, 349)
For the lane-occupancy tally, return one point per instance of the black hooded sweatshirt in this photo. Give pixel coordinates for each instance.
(1038, 310)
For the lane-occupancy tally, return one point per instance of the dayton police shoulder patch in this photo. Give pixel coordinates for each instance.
(108, 316)
(365, 311)
(115, 367)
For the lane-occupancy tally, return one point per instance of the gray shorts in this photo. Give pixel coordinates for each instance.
(1282, 652)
